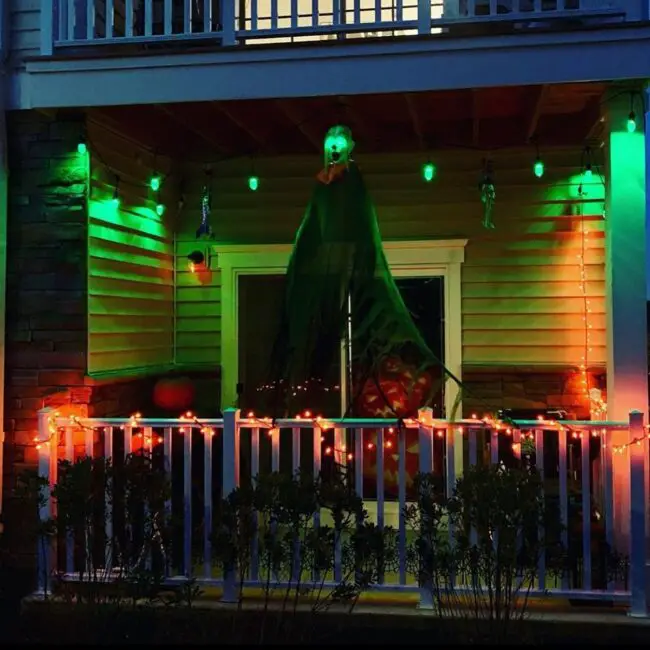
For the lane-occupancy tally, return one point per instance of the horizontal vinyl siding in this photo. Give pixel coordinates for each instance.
(24, 29)
(25, 25)
(130, 265)
(198, 309)
(522, 303)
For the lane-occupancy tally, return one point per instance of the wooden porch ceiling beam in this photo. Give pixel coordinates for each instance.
(192, 127)
(359, 126)
(591, 119)
(476, 117)
(297, 117)
(129, 130)
(416, 122)
(245, 126)
(595, 120)
(535, 111)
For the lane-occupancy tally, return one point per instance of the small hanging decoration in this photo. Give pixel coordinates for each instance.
(488, 193)
(204, 229)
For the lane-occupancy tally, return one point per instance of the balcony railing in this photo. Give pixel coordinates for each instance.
(574, 459)
(79, 23)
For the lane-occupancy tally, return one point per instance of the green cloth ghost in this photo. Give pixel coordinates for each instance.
(338, 260)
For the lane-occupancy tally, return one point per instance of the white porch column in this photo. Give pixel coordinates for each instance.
(625, 273)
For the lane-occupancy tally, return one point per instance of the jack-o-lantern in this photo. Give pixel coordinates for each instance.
(399, 391)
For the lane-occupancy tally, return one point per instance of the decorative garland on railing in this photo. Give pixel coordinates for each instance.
(499, 426)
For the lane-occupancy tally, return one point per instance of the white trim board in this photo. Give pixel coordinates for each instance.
(442, 258)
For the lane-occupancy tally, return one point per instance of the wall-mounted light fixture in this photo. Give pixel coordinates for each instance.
(199, 261)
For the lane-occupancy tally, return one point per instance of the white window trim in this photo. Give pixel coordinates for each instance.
(405, 259)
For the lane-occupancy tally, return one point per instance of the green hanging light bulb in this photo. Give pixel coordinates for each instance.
(538, 168)
(428, 171)
(631, 122)
(115, 201)
(588, 172)
(82, 148)
(160, 209)
(155, 183)
(253, 183)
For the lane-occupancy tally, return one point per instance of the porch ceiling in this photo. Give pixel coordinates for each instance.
(485, 118)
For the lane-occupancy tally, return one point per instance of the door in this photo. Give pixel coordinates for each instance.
(259, 300)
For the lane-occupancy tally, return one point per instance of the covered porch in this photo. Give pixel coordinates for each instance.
(543, 315)
(526, 306)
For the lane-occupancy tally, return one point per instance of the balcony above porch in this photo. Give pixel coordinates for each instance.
(141, 24)
(107, 52)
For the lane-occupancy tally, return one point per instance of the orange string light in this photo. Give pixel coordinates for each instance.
(597, 406)
(203, 428)
(619, 449)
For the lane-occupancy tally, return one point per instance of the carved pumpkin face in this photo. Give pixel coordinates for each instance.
(399, 392)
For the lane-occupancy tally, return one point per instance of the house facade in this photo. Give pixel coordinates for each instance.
(544, 313)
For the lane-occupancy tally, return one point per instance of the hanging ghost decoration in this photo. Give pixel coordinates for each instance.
(339, 289)
(488, 194)
(337, 153)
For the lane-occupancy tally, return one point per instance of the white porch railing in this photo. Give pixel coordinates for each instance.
(575, 443)
(79, 23)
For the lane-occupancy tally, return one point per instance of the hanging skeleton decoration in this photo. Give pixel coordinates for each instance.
(204, 229)
(488, 193)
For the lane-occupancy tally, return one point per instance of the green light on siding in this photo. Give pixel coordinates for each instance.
(631, 123)
(160, 209)
(82, 148)
(428, 172)
(538, 168)
(253, 183)
(154, 183)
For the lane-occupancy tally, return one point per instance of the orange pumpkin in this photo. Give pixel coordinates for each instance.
(174, 393)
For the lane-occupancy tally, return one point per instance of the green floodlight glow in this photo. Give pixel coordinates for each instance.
(82, 148)
(154, 183)
(160, 209)
(253, 183)
(631, 123)
(538, 168)
(428, 171)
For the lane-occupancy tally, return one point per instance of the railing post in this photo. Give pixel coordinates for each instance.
(230, 478)
(424, 17)
(425, 448)
(228, 36)
(638, 451)
(47, 24)
(46, 447)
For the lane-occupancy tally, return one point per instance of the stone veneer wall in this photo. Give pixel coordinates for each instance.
(531, 389)
(46, 275)
(46, 320)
